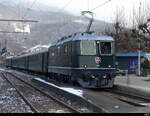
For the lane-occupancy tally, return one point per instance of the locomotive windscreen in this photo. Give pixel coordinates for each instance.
(87, 47)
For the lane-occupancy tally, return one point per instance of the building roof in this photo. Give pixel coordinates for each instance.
(130, 54)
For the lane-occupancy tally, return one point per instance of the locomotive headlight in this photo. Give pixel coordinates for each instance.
(93, 77)
(109, 66)
(85, 66)
(104, 76)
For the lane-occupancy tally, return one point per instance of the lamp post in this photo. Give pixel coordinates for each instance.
(139, 47)
(139, 58)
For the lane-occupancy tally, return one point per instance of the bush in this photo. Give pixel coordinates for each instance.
(145, 64)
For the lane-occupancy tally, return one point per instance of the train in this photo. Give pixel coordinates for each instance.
(85, 59)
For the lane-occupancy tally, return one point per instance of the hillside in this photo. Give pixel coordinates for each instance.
(52, 25)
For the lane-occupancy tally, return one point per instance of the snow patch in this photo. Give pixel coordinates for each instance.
(70, 90)
(2, 69)
(11, 89)
(145, 104)
(74, 91)
(1, 102)
(56, 111)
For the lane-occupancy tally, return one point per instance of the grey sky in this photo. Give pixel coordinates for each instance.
(105, 12)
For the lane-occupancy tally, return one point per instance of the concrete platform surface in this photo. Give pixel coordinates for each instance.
(133, 81)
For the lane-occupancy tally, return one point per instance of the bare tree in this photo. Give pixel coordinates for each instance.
(140, 18)
(120, 30)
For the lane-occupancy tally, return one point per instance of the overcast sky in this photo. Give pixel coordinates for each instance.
(105, 12)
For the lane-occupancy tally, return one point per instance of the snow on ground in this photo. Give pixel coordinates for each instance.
(2, 69)
(20, 73)
(17, 72)
(10, 101)
(75, 91)
(145, 104)
(56, 111)
(70, 90)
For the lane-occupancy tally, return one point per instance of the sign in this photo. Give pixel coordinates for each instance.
(97, 60)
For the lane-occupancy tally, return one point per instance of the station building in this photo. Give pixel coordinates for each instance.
(128, 61)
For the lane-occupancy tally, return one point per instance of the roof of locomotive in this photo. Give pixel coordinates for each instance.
(83, 36)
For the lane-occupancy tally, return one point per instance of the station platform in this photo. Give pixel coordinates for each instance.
(134, 84)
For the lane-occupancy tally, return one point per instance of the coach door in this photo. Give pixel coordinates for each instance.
(44, 62)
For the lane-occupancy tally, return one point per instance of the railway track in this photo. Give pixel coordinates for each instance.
(129, 98)
(44, 102)
(134, 100)
(80, 104)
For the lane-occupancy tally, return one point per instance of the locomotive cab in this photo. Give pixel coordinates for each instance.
(96, 61)
(97, 50)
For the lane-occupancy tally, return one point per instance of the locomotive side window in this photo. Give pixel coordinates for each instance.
(105, 48)
(88, 47)
(52, 52)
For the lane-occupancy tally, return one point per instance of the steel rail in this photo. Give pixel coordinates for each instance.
(128, 95)
(48, 95)
(21, 95)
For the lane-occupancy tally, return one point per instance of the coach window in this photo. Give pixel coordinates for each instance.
(65, 49)
(53, 53)
(58, 49)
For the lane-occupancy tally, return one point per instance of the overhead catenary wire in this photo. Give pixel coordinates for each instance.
(5, 2)
(91, 13)
(25, 14)
(66, 5)
(100, 5)
(61, 10)
(29, 8)
(12, 9)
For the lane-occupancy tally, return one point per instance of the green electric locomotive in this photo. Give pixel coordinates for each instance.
(83, 58)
